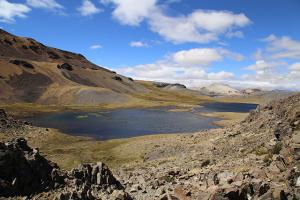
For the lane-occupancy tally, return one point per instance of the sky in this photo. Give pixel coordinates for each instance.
(243, 43)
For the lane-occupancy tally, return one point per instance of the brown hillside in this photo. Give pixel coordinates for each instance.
(32, 72)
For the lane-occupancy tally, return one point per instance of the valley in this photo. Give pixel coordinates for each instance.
(158, 140)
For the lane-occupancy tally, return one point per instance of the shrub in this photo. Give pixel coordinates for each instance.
(267, 159)
(205, 163)
(276, 148)
(261, 150)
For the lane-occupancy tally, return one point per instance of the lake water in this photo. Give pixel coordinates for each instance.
(124, 123)
(227, 107)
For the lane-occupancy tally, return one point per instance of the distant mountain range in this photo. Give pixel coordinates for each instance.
(217, 89)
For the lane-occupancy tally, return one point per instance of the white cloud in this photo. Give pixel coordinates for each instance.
(45, 4)
(273, 63)
(87, 8)
(282, 47)
(200, 56)
(235, 34)
(186, 66)
(200, 26)
(295, 67)
(204, 56)
(131, 12)
(10, 11)
(263, 65)
(138, 44)
(96, 46)
(231, 55)
(220, 75)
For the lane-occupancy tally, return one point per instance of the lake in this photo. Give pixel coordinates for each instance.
(124, 123)
(227, 107)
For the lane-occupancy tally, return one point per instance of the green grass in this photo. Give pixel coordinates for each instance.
(69, 151)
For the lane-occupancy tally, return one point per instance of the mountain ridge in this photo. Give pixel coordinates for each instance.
(34, 73)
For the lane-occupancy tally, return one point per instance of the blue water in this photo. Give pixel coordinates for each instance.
(227, 107)
(126, 123)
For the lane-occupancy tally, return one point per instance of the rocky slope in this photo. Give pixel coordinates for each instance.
(24, 172)
(33, 72)
(255, 159)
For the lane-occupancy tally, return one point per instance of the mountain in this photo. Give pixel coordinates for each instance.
(217, 89)
(169, 86)
(34, 73)
(251, 91)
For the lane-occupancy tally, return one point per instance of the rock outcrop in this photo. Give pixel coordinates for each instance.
(169, 86)
(8, 124)
(24, 172)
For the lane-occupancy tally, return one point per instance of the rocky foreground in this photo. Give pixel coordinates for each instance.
(255, 159)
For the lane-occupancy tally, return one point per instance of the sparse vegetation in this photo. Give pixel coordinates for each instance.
(276, 148)
(261, 150)
(267, 159)
(205, 163)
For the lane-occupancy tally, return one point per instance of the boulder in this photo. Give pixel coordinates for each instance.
(65, 66)
(23, 171)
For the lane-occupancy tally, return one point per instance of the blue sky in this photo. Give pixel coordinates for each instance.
(244, 43)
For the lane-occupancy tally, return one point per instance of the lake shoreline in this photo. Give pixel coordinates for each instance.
(106, 124)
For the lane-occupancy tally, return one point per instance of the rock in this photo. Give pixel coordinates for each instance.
(263, 188)
(22, 63)
(120, 195)
(224, 177)
(3, 114)
(135, 188)
(298, 181)
(296, 138)
(23, 171)
(65, 66)
(117, 78)
(279, 194)
(169, 85)
(160, 191)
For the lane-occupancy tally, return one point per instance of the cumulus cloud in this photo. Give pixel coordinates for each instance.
(276, 64)
(264, 65)
(186, 66)
(10, 11)
(131, 12)
(200, 56)
(87, 8)
(138, 44)
(96, 46)
(200, 26)
(45, 4)
(295, 67)
(204, 56)
(282, 47)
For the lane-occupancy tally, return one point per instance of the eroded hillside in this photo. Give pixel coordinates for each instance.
(33, 72)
